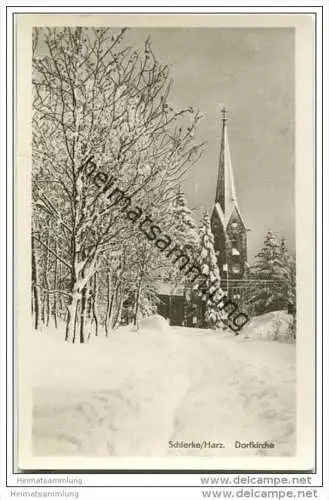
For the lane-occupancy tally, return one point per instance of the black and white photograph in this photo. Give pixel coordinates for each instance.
(164, 315)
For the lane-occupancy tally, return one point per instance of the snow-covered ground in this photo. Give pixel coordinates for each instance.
(132, 393)
(270, 326)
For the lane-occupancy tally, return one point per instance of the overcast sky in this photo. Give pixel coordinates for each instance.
(251, 71)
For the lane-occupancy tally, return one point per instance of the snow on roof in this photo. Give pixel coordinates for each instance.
(225, 220)
(236, 208)
(220, 213)
(168, 288)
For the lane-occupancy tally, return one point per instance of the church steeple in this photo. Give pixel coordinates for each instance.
(228, 228)
(225, 192)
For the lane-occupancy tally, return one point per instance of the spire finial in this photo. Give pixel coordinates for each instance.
(224, 114)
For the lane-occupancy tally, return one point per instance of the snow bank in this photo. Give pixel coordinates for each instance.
(133, 392)
(271, 326)
(241, 389)
(113, 396)
(155, 323)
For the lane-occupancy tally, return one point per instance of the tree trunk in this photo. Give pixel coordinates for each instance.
(75, 295)
(35, 291)
(82, 314)
(54, 307)
(45, 301)
(94, 304)
(61, 309)
(110, 300)
(42, 314)
(137, 304)
(72, 312)
(119, 303)
(114, 304)
(89, 304)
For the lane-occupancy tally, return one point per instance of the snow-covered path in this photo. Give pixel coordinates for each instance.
(239, 390)
(132, 393)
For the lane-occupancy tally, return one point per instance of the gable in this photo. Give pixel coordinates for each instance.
(235, 218)
(218, 216)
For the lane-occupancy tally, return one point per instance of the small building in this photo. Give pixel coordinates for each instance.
(180, 306)
(171, 303)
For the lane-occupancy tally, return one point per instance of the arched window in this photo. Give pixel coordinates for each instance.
(236, 268)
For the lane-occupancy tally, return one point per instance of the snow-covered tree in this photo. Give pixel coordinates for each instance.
(292, 282)
(184, 230)
(210, 290)
(100, 106)
(289, 263)
(271, 277)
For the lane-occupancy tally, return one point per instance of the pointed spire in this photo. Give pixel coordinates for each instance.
(225, 192)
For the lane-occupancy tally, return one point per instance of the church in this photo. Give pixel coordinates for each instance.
(230, 243)
(227, 225)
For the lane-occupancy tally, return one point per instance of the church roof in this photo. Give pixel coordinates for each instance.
(220, 214)
(224, 218)
(165, 288)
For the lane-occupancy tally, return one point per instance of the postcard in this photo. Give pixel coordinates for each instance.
(164, 242)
